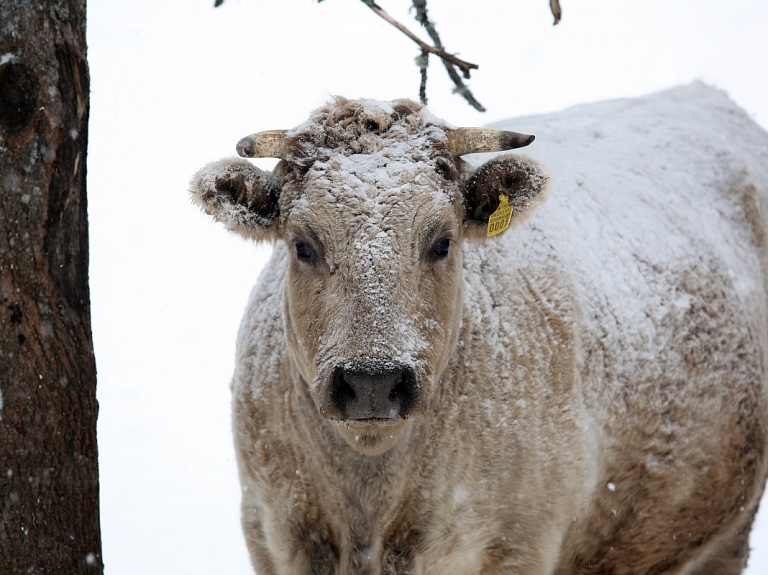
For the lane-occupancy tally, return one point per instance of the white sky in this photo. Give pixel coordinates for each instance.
(176, 84)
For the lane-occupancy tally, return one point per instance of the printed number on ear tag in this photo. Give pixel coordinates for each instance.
(499, 220)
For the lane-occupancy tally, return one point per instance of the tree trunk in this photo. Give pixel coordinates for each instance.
(49, 489)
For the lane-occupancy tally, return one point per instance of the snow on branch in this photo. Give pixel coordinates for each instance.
(460, 88)
(436, 49)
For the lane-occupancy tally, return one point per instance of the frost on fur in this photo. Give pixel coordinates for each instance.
(239, 195)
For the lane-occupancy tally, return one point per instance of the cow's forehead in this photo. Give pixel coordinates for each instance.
(373, 166)
(386, 189)
(379, 178)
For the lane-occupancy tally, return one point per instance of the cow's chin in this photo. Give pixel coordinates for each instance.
(372, 437)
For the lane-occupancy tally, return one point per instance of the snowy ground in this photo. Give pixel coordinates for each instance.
(175, 84)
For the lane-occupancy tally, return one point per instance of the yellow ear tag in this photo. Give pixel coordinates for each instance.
(499, 220)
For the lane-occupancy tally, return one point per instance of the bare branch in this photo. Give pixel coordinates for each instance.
(461, 88)
(450, 61)
(465, 67)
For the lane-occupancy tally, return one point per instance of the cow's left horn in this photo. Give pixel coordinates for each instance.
(475, 140)
(263, 145)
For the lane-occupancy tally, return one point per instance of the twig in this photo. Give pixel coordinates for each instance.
(465, 67)
(450, 61)
(423, 63)
(461, 88)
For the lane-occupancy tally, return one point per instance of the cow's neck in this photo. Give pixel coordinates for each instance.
(366, 491)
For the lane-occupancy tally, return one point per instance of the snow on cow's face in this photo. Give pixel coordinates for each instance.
(373, 295)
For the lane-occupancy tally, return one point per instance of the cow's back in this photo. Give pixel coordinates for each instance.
(647, 268)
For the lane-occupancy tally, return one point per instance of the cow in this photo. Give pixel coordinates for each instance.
(458, 361)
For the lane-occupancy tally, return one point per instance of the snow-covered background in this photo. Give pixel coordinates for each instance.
(176, 83)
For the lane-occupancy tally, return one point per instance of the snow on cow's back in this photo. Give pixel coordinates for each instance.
(651, 248)
(656, 219)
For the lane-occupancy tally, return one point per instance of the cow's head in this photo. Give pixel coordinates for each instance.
(373, 201)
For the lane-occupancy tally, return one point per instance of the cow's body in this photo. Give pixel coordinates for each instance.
(604, 406)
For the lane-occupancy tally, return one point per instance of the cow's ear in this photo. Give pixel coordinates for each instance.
(522, 179)
(240, 196)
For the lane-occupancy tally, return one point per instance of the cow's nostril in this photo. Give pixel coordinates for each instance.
(341, 391)
(397, 388)
(403, 393)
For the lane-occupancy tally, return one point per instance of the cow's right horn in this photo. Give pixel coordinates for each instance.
(476, 140)
(269, 144)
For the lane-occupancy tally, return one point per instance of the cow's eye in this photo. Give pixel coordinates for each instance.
(304, 252)
(440, 247)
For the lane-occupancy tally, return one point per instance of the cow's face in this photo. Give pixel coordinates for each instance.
(372, 302)
(373, 207)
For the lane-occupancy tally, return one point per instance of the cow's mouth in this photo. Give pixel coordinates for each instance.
(373, 435)
(371, 395)
(373, 422)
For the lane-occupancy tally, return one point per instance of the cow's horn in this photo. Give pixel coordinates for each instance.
(269, 144)
(475, 140)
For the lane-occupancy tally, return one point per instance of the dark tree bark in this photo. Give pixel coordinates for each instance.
(49, 490)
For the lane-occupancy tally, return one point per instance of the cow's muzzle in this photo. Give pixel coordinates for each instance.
(367, 394)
